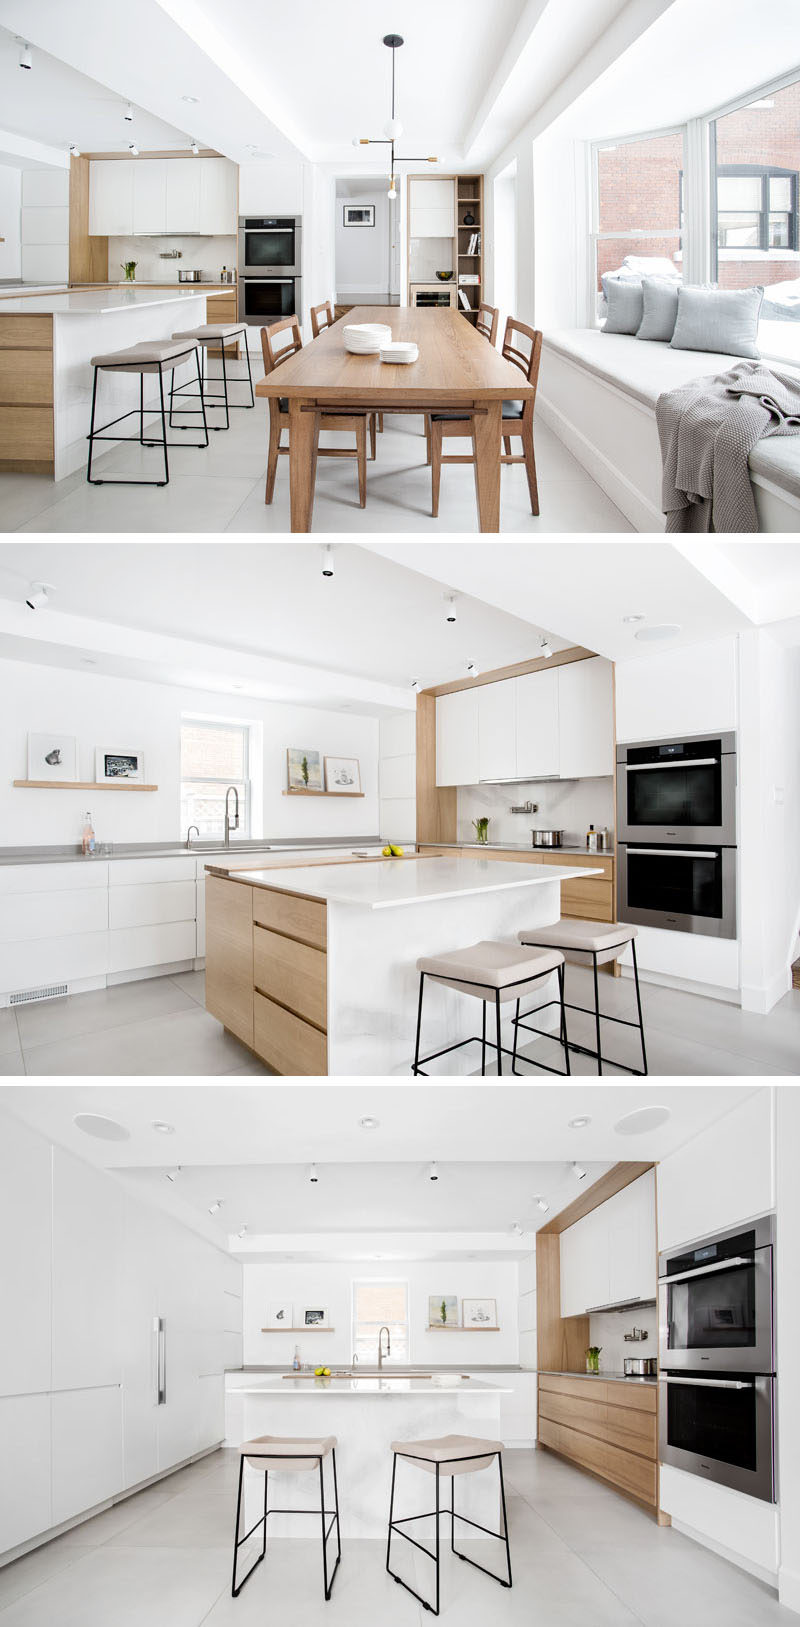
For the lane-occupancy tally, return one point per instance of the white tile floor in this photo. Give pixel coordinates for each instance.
(581, 1557)
(222, 489)
(160, 1026)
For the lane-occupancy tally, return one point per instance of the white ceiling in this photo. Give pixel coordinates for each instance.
(250, 1145)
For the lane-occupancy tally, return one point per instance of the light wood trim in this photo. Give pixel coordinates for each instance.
(518, 669)
(26, 378)
(18, 332)
(229, 956)
(561, 1341)
(578, 1389)
(316, 1330)
(626, 1469)
(158, 152)
(292, 974)
(88, 256)
(298, 791)
(289, 1045)
(615, 1180)
(27, 433)
(437, 805)
(81, 785)
(292, 915)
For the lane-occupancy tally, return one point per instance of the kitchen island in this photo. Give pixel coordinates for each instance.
(47, 342)
(366, 1415)
(314, 966)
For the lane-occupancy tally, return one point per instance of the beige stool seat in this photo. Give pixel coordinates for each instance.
(292, 1452)
(582, 938)
(146, 356)
(455, 1454)
(489, 967)
(210, 331)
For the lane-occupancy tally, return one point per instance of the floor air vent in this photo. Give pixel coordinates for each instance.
(51, 991)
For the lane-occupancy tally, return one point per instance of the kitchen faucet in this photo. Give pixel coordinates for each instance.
(380, 1346)
(189, 834)
(228, 825)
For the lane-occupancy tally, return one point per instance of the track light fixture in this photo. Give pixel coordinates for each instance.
(74, 152)
(327, 559)
(450, 613)
(473, 670)
(128, 114)
(133, 149)
(579, 1172)
(433, 1172)
(545, 649)
(194, 148)
(242, 1232)
(172, 1174)
(215, 1207)
(38, 596)
(516, 1228)
(415, 684)
(25, 58)
(541, 1203)
(313, 1175)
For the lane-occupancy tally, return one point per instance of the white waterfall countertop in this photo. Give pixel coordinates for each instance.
(390, 883)
(90, 303)
(310, 1388)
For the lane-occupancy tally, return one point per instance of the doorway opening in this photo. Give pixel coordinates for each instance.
(367, 246)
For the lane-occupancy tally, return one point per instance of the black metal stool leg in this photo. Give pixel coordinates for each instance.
(336, 1506)
(141, 409)
(597, 1013)
(436, 1608)
(516, 1032)
(91, 427)
(497, 1024)
(234, 1589)
(639, 1004)
(419, 1023)
(252, 401)
(203, 444)
(324, 1544)
(391, 1515)
(225, 387)
(165, 481)
(505, 1518)
(483, 1040)
(564, 1039)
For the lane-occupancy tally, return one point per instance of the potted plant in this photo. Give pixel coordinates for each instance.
(129, 267)
(481, 827)
(593, 1358)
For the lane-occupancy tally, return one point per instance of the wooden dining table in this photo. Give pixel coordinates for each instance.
(456, 367)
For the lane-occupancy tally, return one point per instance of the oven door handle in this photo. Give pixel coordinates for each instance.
(705, 1270)
(274, 282)
(688, 762)
(670, 853)
(709, 1383)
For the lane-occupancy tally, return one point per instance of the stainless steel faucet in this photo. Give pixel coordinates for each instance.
(231, 824)
(380, 1345)
(189, 834)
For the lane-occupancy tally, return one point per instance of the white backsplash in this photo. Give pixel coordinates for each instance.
(606, 1328)
(568, 805)
(427, 255)
(206, 254)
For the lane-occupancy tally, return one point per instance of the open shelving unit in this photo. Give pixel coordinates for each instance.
(450, 1327)
(469, 201)
(83, 785)
(300, 791)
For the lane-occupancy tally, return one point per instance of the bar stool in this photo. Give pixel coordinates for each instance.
(215, 333)
(157, 356)
(494, 973)
(447, 1457)
(595, 942)
(280, 1453)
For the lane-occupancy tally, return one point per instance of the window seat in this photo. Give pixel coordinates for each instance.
(598, 392)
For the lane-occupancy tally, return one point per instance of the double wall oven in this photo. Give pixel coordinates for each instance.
(717, 1358)
(270, 257)
(676, 802)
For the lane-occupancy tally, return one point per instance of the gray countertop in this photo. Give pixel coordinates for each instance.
(427, 1367)
(70, 852)
(610, 1378)
(526, 847)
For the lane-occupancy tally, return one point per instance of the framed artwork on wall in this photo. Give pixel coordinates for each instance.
(279, 1314)
(314, 1316)
(358, 214)
(52, 756)
(113, 764)
(442, 1311)
(304, 769)
(479, 1313)
(343, 774)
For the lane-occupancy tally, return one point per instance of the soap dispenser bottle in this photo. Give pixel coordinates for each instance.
(591, 839)
(88, 841)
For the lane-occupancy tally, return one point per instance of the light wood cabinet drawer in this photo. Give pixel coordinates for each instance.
(634, 1431)
(26, 332)
(587, 892)
(567, 1409)
(292, 973)
(301, 918)
(586, 1389)
(26, 377)
(26, 434)
(289, 1045)
(634, 1474)
(229, 955)
(640, 1397)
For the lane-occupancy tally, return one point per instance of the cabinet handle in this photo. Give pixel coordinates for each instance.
(159, 1334)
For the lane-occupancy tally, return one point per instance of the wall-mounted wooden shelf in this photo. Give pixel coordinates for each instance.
(83, 785)
(315, 1329)
(295, 791)
(450, 1327)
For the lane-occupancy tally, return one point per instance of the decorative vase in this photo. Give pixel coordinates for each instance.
(481, 830)
(592, 1361)
(469, 219)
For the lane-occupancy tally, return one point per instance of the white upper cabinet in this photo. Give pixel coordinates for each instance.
(150, 197)
(457, 738)
(497, 731)
(25, 1258)
(182, 199)
(87, 1242)
(218, 197)
(585, 719)
(111, 197)
(432, 207)
(537, 723)
(610, 1255)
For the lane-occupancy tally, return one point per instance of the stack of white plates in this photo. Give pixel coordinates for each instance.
(400, 350)
(366, 338)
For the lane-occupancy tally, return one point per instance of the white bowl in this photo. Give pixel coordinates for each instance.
(401, 351)
(366, 338)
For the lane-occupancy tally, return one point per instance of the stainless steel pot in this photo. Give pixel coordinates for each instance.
(548, 838)
(640, 1366)
(189, 276)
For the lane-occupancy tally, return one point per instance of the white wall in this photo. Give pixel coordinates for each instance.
(363, 252)
(10, 221)
(788, 1301)
(607, 1329)
(330, 1284)
(206, 254)
(398, 776)
(528, 1350)
(103, 711)
(568, 805)
(769, 781)
(45, 225)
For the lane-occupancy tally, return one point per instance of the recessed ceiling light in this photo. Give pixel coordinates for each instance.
(641, 1120)
(579, 1123)
(369, 1124)
(88, 661)
(94, 1124)
(162, 1127)
(651, 635)
(192, 99)
(628, 620)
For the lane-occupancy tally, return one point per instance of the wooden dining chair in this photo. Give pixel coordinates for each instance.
(321, 317)
(488, 318)
(278, 342)
(517, 417)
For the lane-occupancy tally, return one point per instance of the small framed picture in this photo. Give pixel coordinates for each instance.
(442, 1311)
(359, 214)
(314, 1316)
(304, 768)
(479, 1313)
(113, 765)
(52, 756)
(279, 1314)
(343, 774)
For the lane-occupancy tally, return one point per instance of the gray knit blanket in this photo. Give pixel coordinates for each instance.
(707, 431)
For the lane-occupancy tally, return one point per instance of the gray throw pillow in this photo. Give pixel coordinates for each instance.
(660, 298)
(721, 319)
(625, 305)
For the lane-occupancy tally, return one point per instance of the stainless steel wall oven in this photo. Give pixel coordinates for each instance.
(270, 244)
(684, 889)
(268, 299)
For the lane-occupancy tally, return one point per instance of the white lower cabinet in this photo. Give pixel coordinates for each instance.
(210, 1411)
(87, 1449)
(134, 948)
(25, 1475)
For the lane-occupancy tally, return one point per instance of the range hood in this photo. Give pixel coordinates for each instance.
(621, 1305)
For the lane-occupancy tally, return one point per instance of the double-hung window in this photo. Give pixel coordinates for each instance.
(379, 1303)
(756, 207)
(214, 755)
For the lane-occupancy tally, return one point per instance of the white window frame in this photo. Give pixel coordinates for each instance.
(632, 235)
(354, 1286)
(757, 94)
(203, 721)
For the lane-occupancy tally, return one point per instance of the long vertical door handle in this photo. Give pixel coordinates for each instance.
(159, 1333)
